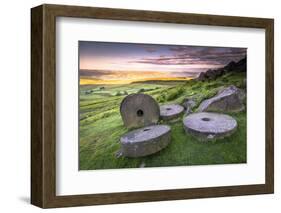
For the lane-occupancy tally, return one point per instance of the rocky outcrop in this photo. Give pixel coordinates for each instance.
(229, 99)
(211, 74)
(240, 66)
(201, 77)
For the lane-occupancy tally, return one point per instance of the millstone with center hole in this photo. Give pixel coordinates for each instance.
(170, 111)
(145, 141)
(138, 110)
(208, 126)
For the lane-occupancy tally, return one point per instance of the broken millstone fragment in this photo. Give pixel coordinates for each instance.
(188, 105)
(207, 126)
(229, 99)
(145, 141)
(138, 110)
(171, 112)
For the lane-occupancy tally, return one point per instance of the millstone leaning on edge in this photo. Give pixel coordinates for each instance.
(138, 110)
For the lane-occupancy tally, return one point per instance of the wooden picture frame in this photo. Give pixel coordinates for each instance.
(43, 105)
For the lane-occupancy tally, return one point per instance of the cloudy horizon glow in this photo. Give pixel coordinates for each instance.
(137, 60)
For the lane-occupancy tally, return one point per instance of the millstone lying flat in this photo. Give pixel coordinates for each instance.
(145, 141)
(138, 110)
(208, 126)
(170, 111)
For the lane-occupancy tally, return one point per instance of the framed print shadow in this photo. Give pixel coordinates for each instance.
(136, 106)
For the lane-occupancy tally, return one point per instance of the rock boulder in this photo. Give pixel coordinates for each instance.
(229, 99)
(188, 105)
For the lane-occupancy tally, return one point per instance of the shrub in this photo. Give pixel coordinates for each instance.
(225, 80)
(196, 86)
(118, 93)
(212, 85)
(175, 94)
(141, 90)
(161, 98)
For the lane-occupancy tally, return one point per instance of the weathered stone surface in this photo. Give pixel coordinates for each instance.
(240, 66)
(145, 141)
(229, 99)
(138, 110)
(211, 74)
(207, 126)
(188, 105)
(201, 77)
(171, 111)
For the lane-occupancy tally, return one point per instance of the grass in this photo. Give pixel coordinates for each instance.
(101, 126)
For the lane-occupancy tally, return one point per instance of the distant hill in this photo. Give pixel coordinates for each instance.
(240, 66)
(160, 81)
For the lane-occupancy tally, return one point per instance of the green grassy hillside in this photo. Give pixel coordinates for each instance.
(101, 126)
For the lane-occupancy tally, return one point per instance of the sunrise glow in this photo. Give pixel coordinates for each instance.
(123, 63)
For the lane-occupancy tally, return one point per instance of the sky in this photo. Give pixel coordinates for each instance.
(112, 61)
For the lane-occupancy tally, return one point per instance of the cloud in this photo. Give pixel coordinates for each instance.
(220, 55)
(178, 60)
(186, 55)
(150, 49)
(94, 73)
(191, 74)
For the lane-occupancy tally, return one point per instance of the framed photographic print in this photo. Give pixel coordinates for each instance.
(136, 106)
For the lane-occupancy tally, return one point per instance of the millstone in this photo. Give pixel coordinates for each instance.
(138, 110)
(208, 126)
(170, 111)
(145, 141)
